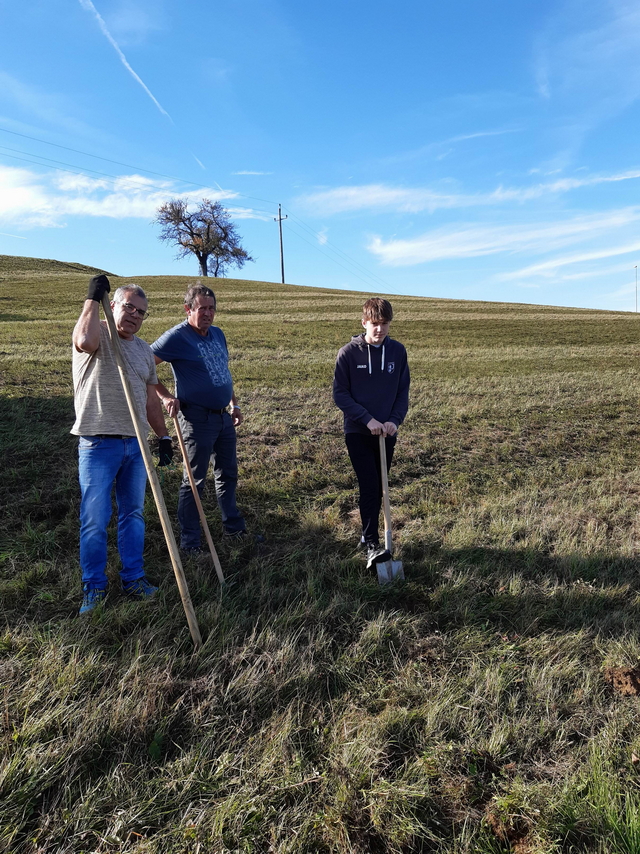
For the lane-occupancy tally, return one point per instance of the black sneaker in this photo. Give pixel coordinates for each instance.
(235, 536)
(376, 554)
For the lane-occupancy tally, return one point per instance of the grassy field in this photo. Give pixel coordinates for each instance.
(467, 710)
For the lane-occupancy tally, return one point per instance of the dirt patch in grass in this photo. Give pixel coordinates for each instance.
(623, 680)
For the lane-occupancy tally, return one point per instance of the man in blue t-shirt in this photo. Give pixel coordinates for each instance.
(197, 353)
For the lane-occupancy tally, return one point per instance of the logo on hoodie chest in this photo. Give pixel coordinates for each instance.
(364, 367)
(391, 366)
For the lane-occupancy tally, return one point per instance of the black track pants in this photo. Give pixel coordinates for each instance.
(364, 453)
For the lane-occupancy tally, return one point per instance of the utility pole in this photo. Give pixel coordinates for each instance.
(279, 221)
(636, 288)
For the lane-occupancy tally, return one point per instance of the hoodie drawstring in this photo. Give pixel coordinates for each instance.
(369, 355)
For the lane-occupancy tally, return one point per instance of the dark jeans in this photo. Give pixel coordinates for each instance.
(208, 436)
(364, 453)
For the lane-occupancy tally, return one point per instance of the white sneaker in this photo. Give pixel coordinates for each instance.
(376, 554)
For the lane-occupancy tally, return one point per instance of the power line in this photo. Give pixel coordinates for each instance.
(338, 251)
(95, 156)
(77, 170)
(119, 163)
(351, 272)
(83, 171)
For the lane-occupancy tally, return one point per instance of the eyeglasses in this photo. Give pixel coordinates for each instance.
(132, 309)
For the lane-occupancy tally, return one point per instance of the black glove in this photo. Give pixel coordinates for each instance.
(98, 287)
(165, 451)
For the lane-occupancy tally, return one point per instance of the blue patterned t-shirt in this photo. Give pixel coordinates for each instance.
(200, 364)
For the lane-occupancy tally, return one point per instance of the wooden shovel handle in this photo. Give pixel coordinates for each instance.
(153, 479)
(386, 505)
(196, 498)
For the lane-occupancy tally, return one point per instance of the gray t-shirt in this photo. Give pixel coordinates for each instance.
(100, 402)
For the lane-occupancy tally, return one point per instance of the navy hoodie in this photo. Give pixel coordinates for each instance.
(371, 382)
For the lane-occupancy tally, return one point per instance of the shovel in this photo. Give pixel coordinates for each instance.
(388, 570)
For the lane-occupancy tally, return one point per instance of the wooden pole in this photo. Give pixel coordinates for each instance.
(153, 479)
(196, 498)
(279, 220)
(386, 504)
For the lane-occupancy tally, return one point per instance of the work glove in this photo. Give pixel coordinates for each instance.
(165, 451)
(98, 287)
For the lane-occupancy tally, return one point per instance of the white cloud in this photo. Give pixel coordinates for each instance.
(596, 272)
(414, 200)
(23, 200)
(248, 213)
(69, 183)
(475, 241)
(478, 134)
(249, 172)
(549, 268)
(441, 148)
(381, 196)
(30, 199)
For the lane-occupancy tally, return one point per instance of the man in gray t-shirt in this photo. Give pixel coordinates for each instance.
(108, 449)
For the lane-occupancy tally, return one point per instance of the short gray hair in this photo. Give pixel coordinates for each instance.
(121, 294)
(199, 290)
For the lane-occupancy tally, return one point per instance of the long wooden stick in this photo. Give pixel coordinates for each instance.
(196, 498)
(153, 479)
(386, 504)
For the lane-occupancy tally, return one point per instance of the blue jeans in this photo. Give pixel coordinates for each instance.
(208, 436)
(101, 462)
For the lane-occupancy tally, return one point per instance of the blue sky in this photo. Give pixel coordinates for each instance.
(468, 150)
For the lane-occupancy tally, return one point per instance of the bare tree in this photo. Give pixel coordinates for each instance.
(207, 233)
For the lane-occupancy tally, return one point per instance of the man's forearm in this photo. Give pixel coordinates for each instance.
(163, 392)
(155, 416)
(86, 332)
(171, 403)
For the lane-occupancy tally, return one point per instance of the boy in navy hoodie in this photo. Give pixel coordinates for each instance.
(371, 387)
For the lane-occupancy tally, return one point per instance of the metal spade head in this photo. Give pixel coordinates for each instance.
(389, 570)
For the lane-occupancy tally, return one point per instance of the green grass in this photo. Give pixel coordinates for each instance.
(462, 711)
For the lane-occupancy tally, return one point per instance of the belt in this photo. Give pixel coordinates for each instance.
(206, 408)
(108, 436)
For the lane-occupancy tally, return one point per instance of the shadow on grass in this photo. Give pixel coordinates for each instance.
(302, 577)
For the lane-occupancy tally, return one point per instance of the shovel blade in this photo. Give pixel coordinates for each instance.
(390, 570)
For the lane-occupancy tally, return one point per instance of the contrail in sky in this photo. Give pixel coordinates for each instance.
(88, 5)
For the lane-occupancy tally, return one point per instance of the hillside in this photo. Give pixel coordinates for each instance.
(18, 267)
(488, 704)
